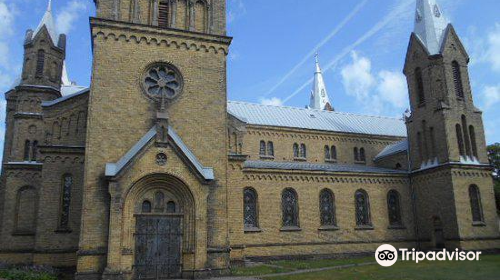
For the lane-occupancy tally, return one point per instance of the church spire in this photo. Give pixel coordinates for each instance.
(430, 25)
(48, 22)
(319, 95)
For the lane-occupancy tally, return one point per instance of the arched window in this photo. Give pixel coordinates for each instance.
(295, 150)
(159, 200)
(327, 208)
(171, 207)
(420, 86)
(457, 79)
(303, 151)
(475, 204)
(163, 14)
(362, 156)
(460, 140)
(472, 134)
(420, 148)
(327, 153)
(333, 153)
(262, 150)
(356, 154)
(393, 206)
(34, 151)
(270, 149)
(146, 206)
(40, 62)
(425, 140)
(27, 147)
(433, 142)
(26, 204)
(200, 16)
(250, 214)
(290, 208)
(67, 183)
(362, 208)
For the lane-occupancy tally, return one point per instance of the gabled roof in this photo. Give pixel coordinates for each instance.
(291, 117)
(393, 149)
(113, 169)
(319, 167)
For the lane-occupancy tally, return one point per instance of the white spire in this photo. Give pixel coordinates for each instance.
(319, 95)
(430, 25)
(48, 22)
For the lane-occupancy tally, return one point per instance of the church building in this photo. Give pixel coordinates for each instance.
(151, 173)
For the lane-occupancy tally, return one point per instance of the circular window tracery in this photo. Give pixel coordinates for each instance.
(162, 81)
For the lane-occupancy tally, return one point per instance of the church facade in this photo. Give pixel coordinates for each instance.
(151, 173)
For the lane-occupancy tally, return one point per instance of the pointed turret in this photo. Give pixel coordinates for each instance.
(48, 22)
(430, 25)
(319, 95)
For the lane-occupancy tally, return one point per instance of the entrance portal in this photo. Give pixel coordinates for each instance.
(158, 246)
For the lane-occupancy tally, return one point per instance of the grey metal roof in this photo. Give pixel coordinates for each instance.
(112, 169)
(319, 167)
(292, 117)
(66, 97)
(393, 149)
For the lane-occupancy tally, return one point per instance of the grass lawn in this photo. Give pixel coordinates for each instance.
(488, 268)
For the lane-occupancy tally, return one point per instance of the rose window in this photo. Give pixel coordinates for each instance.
(162, 81)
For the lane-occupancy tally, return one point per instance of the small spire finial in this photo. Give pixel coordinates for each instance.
(49, 6)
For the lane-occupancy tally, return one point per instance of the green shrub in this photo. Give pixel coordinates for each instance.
(28, 273)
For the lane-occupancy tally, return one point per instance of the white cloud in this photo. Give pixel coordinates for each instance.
(357, 77)
(273, 101)
(6, 19)
(68, 15)
(235, 9)
(491, 95)
(393, 88)
(493, 51)
(7, 14)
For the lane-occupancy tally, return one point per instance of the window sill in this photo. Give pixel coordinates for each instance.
(300, 159)
(478, 224)
(328, 228)
(266, 157)
(290, 229)
(23, 233)
(396, 227)
(63, 230)
(367, 227)
(252, 230)
(330, 160)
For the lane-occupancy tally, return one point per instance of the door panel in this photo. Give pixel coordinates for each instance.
(158, 247)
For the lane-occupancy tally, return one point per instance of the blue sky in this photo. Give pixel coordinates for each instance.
(361, 45)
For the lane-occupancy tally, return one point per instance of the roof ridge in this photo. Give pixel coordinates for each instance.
(314, 110)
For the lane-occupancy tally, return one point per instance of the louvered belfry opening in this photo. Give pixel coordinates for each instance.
(163, 12)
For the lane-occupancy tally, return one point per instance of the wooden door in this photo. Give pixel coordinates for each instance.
(158, 247)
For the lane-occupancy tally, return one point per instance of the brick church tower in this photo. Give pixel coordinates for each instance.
(156, 141)
(448, 159)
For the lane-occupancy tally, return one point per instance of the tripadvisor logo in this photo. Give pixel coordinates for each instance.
(386, 255)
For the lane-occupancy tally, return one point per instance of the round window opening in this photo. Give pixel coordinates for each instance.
(162, 81)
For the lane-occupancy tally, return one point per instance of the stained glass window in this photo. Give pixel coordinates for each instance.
(295, 150)
(262, 150)
(290, 208)
(362, 208)
(327, 208)
(250, 218)
(67, 184)
(475, 204)
(270, 148)
(393, 206)
(146, 206)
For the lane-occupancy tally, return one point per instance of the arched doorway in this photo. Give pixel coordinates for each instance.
(160, 213)
(438, 233)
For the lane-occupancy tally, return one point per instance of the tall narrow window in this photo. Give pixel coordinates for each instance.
(327, 153)
(362, 208)
(468, 150)
(262, 150)
(420, 148)
(171, 207)
(67, 183)
(433, 142)
(327, 208)
(200, 14)
(420, 86)
(303, 151)
(295, 150)
(472, 134)
(163, 14)
(146, 206)
(40, 62)
(457, 79)
(333, 153)
(425, 140)
(34, 151)
(250, 218)
(356, 154)
(475, 204)
(460, 140)
(270, 149)
(27, 147)
(393, 206)
(290, 208)
(362, 155)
